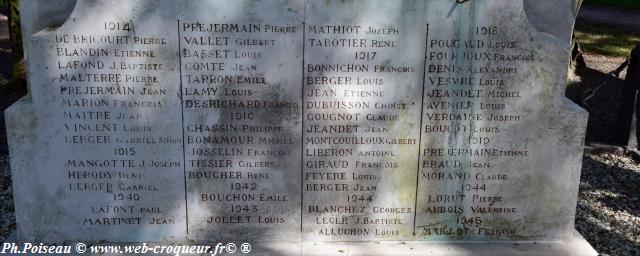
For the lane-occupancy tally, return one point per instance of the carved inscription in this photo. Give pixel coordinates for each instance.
(290, 120)
(360, 116)
(111, 85)
(471, 104)
(241, 126)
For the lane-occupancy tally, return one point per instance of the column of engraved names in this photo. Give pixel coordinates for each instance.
(241, 104)
(470, 104)
(114, 87)
(359, 157)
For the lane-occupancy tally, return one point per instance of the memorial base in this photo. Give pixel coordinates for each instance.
(578, 246)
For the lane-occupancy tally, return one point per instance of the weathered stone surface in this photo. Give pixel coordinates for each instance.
(298, 120)
(242, 118)
(493, 173)
(42, 15)
(374, 156)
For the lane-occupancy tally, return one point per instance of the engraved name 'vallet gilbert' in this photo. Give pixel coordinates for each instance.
(293, 120)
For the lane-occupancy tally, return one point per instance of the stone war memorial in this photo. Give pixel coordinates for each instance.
(337, 127)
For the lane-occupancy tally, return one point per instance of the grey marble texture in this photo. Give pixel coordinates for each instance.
(296, 120)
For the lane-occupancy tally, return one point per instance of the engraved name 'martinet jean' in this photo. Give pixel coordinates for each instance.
(314, 120)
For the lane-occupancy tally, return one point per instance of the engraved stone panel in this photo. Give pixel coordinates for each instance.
(241, 103)
(104, 94)
(363, 79)
(294, 120)
(497, 128)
